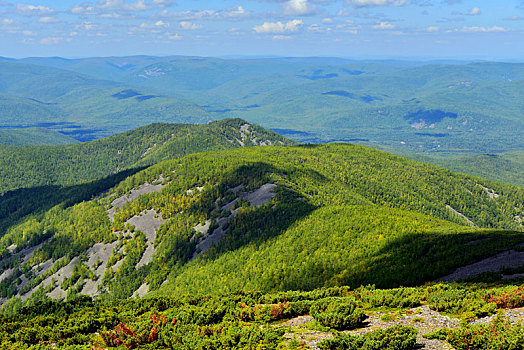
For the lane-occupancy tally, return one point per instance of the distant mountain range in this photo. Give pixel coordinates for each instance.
(416, 107)
(441, 110)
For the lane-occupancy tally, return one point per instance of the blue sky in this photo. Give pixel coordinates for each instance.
(463, 29)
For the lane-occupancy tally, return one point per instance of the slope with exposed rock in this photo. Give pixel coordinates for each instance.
(265, 218)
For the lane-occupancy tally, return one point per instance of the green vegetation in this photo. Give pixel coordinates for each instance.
(338, 314)
(500, 334)
(340, 215)
(34, 136)
(393, 338)
(423, 108)
(81, 106)
(32, 166)
(311, 231)
(217, 322)
(506, 167)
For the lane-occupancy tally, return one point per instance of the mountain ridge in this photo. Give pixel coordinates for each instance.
(153, 225)
(76, 163)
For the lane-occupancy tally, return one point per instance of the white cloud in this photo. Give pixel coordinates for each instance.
(298, 7)
(475, 11)
(51, 40)
(482, 29)
(155, 26)
(7, 21)
(229, 14)
(314, 28)
(376, 3)
(432, 29)
(384, 25)
(48, 20)
(327, 20)
(282, 37)
(234, 11)
(110, 15)
(87, 26)
(161, 24)
(101, 7)
(84, 8)
(28, 33)
(348, 27)
(162, 3)
(279, 27)
(30, 10)
(119, 5)
(514, 18)
(189, 25)
(175, 37)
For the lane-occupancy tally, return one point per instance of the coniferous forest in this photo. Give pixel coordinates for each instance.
(272, 246)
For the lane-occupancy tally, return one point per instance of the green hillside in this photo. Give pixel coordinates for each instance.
(84, 107)
(505, 167)
(264, 218)
(31, 166)
(451, 109)
(36, 178)
(415, 107)
(33, 136)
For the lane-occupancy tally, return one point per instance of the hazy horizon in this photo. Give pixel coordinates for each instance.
(355, 29)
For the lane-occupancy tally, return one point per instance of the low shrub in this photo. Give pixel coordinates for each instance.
(339, 314)
(499, 334)
(508, 299)
(392, 338)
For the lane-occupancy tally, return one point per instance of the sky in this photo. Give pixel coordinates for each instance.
(373, 29)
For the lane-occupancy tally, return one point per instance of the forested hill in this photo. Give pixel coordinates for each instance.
(29, 166)
(263, 218)
(33, 136)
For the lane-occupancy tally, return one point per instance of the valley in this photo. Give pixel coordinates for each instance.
(415, 107)
(447, 113)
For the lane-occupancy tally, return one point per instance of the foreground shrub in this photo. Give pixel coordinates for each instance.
(392, 338)
(460, 301)
(393, 298)
(337, 313)
(160, 333)
(509, 299)
(500, 334)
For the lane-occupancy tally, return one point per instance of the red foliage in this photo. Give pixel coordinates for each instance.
(276, 310)
(124, 335)
(509, 300)
(122, 328)
(153, 336)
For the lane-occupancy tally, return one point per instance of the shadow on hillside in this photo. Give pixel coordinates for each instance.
(255, 225)
(16, 205)
(419, 258)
